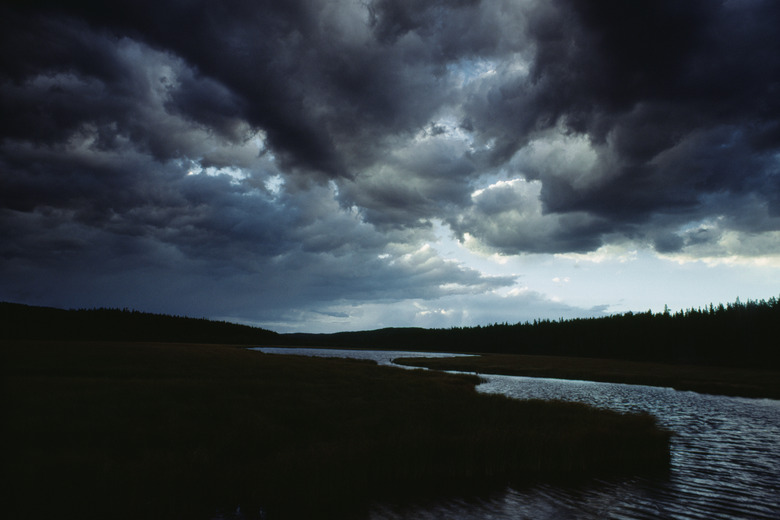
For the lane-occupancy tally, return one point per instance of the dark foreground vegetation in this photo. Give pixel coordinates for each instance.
(734, 381)
(150, 430)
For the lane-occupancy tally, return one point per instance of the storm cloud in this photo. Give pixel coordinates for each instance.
(259, 160)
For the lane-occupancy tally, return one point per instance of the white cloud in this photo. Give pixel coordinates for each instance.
(621, 253)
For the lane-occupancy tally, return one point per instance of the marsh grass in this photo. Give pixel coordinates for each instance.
(138, 430)
(746, 382)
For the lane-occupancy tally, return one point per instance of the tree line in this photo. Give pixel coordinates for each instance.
(106, 324)
(737, 334)
(743, 334)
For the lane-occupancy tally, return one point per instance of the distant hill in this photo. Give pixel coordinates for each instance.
(737, 334)
(46, 323)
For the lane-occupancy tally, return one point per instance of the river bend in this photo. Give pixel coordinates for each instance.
(725, 457)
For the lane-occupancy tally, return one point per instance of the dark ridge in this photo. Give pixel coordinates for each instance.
(46, 323)
(736, 334)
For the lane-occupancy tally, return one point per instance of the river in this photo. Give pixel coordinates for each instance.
(725, 457)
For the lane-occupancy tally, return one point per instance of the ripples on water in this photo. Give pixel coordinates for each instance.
(725, 459)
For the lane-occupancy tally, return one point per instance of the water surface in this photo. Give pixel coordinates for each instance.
(725, 457)
(383, 357)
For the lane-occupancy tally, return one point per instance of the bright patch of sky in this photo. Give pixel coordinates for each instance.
(615, 279)
(236, 175)
(468, 70)
(274, 184)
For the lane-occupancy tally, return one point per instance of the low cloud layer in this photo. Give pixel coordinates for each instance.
(257, 160)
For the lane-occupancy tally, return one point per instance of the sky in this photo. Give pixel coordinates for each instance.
(320, 166)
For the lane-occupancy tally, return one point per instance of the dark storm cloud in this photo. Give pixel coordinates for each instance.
(304, 150)
(303, 69)
(678, 98)
(81, 39)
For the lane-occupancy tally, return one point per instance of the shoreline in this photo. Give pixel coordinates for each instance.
(735, 382)
(129, 430)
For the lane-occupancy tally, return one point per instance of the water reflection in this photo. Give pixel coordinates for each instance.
(725, 458)
(383, 357)
(725, 461)
(635, 499)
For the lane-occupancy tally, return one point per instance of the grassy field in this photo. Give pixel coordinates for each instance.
(706, 379)
(138, 430)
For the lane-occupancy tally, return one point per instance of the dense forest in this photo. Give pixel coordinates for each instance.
(46, 323)
(735, 334)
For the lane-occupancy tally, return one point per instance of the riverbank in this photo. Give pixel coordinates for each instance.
(704, 379)
(139, 430)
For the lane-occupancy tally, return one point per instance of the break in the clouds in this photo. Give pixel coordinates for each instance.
(319, 165)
